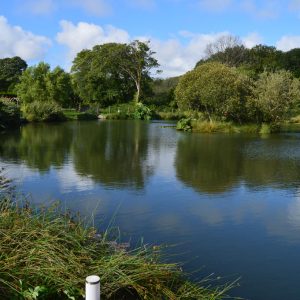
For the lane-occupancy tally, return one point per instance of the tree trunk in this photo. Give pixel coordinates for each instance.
(138, 92)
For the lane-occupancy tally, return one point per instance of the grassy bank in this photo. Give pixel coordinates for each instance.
(46, 254)
(72, 114)
(229, 127)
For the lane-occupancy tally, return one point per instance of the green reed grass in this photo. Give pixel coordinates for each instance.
(46, 254)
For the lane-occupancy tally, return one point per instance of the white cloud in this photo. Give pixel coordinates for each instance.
(15, 41)
(288, 42)
(86, 35)
(175, 55)
(252, 39)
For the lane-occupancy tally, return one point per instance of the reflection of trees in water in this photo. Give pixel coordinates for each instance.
(112, 153)
(115, 153)
(216, 163)
(275, 161)
(39, 146)
(209, 163)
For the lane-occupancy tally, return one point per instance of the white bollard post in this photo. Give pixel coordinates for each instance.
(92, 288)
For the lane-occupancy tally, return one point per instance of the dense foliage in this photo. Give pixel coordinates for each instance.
(223, 93)
(215, 89)
(113, 73)
(99, 81)
(232, 83)
(230, 51)
(10, 71)
(162, 92)
(274, 96)
(9, 113)
(43, 92)
(38, 111)
(39, 83)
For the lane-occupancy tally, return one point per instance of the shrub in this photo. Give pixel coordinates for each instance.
(142, 112)
(184, 124)
(9, 113)
(169, 115)
(216, 90)
(117, 116)
(274, 95)
(86, 116)
(43, 111)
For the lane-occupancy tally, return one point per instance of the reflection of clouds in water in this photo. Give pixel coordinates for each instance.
(162, 152)
(69, 180)
(270, 210)
(19, 172)
(234, 206)
(208, 212)
(162, 161)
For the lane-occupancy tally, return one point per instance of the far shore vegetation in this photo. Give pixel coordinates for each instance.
(231, 89)
(46, 253)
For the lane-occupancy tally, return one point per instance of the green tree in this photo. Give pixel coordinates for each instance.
(136, 59)
(227, 50)
(274, 94)
(233, 56)
(215, 89)
(291, 61)
(60, 87)
(9, 113)
(111, 72)
(10, 71)
(264, 58)
(162, 92)
(33, 84)
(98, 79)
(40, 84)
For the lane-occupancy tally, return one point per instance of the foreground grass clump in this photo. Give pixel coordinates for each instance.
(47, 255)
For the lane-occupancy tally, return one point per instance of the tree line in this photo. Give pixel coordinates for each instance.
(231, 83)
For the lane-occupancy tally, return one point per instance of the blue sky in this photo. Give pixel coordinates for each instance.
(179, 30)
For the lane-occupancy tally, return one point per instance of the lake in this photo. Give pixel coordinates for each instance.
(226, 204)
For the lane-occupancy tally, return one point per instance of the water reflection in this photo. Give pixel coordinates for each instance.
(38, 146)
(112, 153)
(209, 163)
(217, 163)
(230, 201)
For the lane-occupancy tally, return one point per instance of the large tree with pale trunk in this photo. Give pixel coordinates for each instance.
(113, 72)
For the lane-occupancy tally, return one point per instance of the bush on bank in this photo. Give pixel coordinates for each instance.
(38, 111)
(9, 113)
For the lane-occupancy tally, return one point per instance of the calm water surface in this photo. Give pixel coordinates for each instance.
(229, 204)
